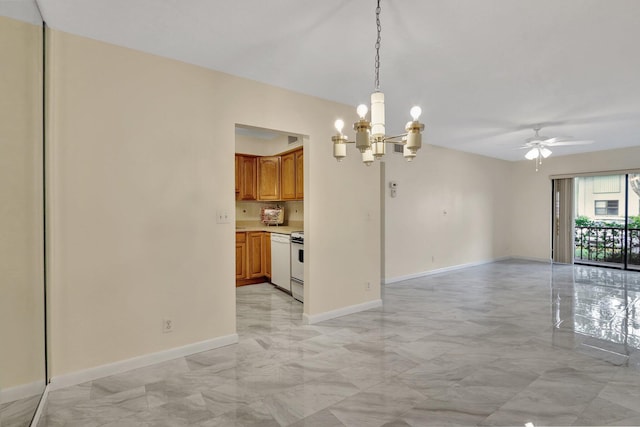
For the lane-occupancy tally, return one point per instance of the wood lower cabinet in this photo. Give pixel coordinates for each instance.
(266, 261)
(241, 256)
(254, 260)
(269, 178)
(253, 257)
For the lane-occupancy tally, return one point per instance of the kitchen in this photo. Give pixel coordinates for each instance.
(269, 192)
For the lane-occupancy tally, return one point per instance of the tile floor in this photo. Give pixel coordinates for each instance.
(19, 413)
(500, 344)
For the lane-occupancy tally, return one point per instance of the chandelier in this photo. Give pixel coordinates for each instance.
(370, 134)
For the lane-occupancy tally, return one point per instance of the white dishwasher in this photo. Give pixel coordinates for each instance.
(281, 261)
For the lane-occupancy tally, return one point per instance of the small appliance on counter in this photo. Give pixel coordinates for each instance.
(272, 215)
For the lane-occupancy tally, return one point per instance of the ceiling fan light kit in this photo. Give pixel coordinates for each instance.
(538, 144)
(370, 134)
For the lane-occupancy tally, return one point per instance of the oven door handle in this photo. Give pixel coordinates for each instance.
(293, 279)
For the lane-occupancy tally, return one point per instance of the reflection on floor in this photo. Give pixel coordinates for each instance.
(499, 344)
(19, 412)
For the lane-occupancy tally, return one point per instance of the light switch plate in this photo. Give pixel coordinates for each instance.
(222, 217)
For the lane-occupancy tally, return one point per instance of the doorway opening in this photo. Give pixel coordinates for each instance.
(269, 225)
(606, 221)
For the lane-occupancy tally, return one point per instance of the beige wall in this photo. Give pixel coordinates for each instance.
(260, 147)
(142, 156)
(531, 226)
(21, 231)
(452, 208)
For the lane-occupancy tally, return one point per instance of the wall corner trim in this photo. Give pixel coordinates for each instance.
(41, 406)
(121, 366)
(315, 318)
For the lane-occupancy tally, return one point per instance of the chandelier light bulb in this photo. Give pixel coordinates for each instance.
(339, 124)
(415, 112)
(545, 152)
(362, 111)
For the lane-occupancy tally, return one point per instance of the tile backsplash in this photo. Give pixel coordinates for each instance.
(250, 211)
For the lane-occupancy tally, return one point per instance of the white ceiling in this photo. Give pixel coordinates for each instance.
(484, 71)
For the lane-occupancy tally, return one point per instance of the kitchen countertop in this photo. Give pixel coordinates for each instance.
(245, 226)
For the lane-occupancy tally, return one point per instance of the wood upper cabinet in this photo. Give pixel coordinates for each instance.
(293, 175)
(299, 174)
(289, 176)
(241, 255)
(246, 177)
(269, 178)
(255, 254)
(237, 175)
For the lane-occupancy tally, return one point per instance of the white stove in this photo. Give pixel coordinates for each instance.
(297, 265)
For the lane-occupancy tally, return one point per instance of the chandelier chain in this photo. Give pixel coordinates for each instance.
(377, 62)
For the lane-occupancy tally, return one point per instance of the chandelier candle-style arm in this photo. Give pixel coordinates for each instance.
(370, 134)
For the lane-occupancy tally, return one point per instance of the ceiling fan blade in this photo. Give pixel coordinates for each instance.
(542, 139)
(557, 139)
(559, 143)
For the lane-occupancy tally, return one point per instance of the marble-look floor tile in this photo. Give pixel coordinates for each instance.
(306, 399)
(254, 415)
(19, 412)
(435, 412)
(601, 412)
(139, 377)
(322, 418)
(498, 344)
(377, 405)
(69, 396)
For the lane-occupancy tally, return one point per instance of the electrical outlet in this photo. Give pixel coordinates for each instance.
(367, 286)
(167, 325)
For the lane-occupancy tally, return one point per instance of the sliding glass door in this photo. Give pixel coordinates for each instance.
(607, 220)
(633, 222)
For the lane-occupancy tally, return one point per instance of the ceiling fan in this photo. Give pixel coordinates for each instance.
(538, 145)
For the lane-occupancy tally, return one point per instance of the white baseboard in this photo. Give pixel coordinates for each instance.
(119, 367)
(442, 270)
(460, 267)
(315, 318)
(22, 391)
(532, 259)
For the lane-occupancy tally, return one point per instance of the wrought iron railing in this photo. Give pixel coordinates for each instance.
(606, 245)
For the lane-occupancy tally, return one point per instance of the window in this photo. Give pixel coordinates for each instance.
(606, 207)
